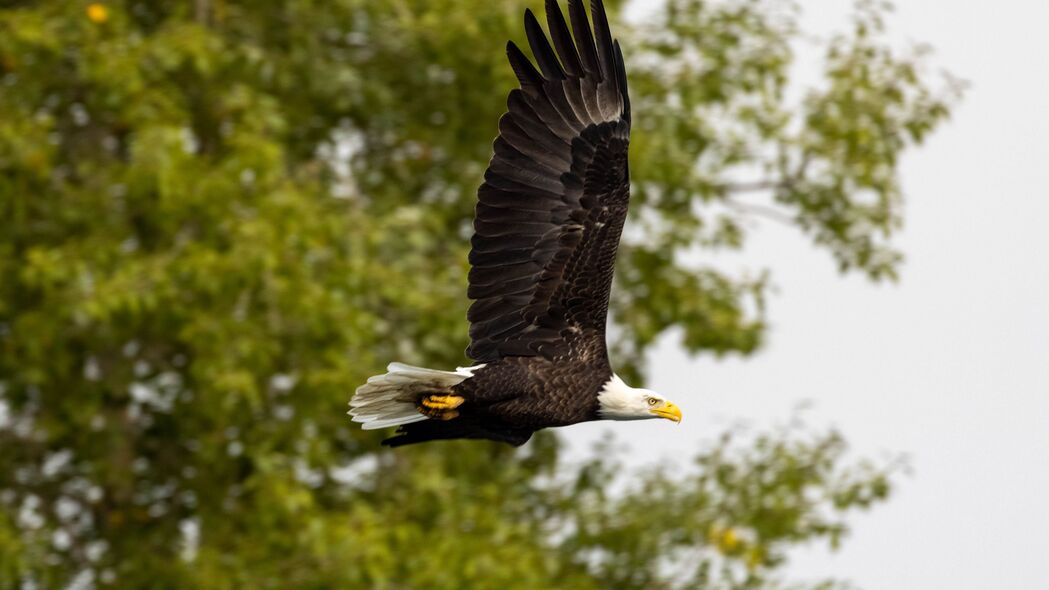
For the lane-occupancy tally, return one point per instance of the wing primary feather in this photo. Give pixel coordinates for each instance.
(517, 177)
(579, 117)
(525, 201)
(485, 308)
(584, 40)
(486, 245)
(531, 80)
(501, 258)
(528, 159)
(603, 37)
(560, 119)
(505, 272)
(529, 119)
(555, 22)
(544, 54)
(510, 185)
(524, 284)
(535, 112)
(621, 79)
(590, 94)
(540, 140)
(512, 214)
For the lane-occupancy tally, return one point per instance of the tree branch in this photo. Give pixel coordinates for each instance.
(770, 213)
(749, 187)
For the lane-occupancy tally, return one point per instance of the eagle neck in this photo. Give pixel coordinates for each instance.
(615, 399)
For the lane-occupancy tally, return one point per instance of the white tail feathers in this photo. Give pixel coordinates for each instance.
(389, 400)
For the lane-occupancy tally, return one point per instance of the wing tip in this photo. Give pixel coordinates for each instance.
(529, 78)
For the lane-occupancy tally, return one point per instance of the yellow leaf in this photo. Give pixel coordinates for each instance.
(729, 541)
(97, 13)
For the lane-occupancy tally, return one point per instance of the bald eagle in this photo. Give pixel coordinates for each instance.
(546, 230)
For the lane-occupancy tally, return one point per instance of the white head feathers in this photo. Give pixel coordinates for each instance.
(619, 401)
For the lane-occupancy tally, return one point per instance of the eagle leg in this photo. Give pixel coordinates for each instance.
(440, 407)
(442, 402)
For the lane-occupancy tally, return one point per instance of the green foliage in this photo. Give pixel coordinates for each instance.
(218, 217)
(746, 505)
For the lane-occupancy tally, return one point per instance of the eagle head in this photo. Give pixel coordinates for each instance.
(619, 401)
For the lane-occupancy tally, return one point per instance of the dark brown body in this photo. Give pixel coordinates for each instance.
(533, 392)
(509, 399)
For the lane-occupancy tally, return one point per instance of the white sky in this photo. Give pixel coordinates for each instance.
(950, 366)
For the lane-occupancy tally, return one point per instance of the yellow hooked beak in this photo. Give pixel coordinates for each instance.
(669, 411)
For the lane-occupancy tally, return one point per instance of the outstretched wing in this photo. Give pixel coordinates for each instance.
(555, 196)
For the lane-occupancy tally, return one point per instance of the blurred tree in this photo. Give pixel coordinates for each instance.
(217, 217)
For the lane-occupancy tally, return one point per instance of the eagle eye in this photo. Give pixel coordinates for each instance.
(652, 401)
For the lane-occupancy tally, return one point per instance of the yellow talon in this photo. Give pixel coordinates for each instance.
(443, 402)
(440, 407)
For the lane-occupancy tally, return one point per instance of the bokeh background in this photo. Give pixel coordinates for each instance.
(218, 217)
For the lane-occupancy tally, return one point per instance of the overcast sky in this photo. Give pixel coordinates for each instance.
(950, 366)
